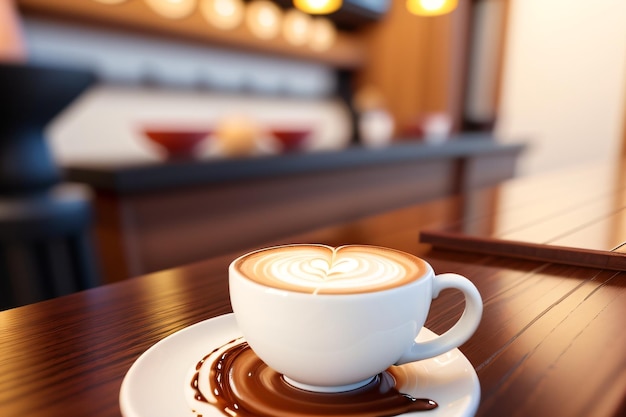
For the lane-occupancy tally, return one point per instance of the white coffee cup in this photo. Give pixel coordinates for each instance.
(331, 319)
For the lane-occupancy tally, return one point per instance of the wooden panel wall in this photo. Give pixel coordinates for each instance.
(418, 63)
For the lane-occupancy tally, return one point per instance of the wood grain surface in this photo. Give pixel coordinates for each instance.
(575, 217)
(551, 341)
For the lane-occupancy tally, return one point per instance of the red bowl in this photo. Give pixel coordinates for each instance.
(177, 143)
(292, 139)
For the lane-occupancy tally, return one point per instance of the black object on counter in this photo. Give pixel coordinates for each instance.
(45, 248)
(30, 97)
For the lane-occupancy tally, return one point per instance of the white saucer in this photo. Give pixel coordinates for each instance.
(155, 384)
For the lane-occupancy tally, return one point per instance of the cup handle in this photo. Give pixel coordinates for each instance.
(462, 329)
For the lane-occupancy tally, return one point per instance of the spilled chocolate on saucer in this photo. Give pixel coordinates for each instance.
(235, 381)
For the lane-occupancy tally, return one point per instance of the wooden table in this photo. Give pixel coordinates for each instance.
(551, 341)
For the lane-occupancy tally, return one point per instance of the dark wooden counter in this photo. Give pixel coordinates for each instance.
(153, 216)
(158, 176)
(551, 341)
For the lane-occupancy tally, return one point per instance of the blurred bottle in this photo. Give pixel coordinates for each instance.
(433, 128)
(375, 124)
(436, 127)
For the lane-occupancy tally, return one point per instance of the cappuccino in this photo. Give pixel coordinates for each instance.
(321, 269)
(331, 319)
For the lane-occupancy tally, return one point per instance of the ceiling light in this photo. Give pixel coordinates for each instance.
(296, 27)
(223, 14)
(431, 7)
(172, 9)
(317, 6)
(263, 18)
(323, 34)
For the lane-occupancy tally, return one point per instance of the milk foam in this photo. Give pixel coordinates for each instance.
(321, 269)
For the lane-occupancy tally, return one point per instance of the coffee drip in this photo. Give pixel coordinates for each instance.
(237, 383)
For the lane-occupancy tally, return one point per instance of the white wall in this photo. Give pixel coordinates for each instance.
(105, 124)
(564, 83)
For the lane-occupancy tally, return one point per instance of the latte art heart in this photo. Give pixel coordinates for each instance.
(321, 269)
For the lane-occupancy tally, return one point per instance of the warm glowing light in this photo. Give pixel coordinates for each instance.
(223, 14)
(431, 7)
(317, 6)
(111, 1)
(172, 9)
(263, 18)
(323, 34)
(296, 27)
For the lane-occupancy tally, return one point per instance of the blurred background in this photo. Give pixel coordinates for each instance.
(550, 71)
(182, 123)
